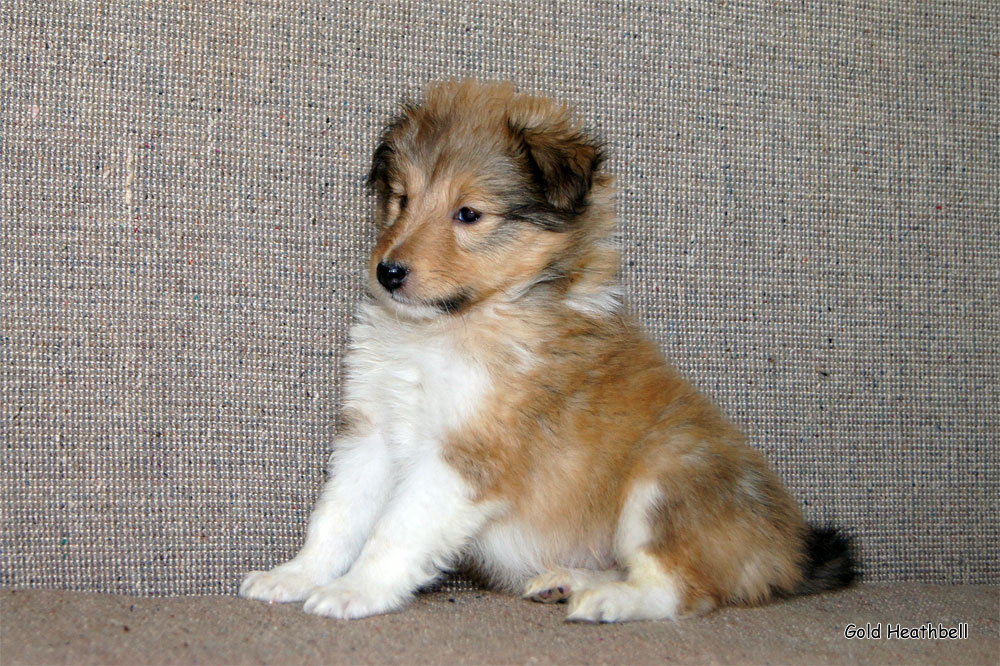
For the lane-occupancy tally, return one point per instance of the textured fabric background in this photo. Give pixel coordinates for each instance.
(808, 195)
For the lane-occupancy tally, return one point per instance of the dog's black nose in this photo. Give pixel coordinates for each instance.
(390, 274)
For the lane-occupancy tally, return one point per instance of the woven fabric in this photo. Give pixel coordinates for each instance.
(808, 196)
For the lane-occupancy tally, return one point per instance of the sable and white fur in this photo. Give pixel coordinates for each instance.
(503, 413)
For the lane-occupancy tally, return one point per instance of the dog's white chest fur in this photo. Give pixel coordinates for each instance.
(416, 386)
(410, 382)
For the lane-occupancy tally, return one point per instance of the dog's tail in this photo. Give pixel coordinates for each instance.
(829, 564)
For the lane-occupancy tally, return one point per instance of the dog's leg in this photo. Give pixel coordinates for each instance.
(423, 529)
(358, 488)
(649, 591)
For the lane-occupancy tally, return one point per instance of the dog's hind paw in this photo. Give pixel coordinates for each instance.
(558, 585)
(622, 602)
(551, 587)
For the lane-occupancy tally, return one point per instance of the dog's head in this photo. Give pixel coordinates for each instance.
(481, 193)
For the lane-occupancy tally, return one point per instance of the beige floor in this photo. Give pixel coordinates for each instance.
(53, 627)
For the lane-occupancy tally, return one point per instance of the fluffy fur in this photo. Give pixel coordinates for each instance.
(503, 413)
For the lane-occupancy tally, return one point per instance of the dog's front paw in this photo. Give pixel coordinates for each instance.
(346, 601)
(283, 583)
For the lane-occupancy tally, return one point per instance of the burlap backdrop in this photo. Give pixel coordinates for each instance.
(808, 195)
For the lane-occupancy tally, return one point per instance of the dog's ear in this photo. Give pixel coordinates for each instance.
(383, 158)
(562, 159)
(378, 175)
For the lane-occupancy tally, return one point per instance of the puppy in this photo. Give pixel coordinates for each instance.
(505, 415)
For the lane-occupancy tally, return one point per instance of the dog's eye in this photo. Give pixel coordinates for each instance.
(466, 215)
(403, 200)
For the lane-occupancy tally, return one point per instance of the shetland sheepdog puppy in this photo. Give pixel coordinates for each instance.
(503, 414)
